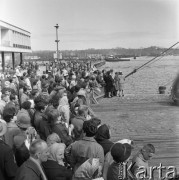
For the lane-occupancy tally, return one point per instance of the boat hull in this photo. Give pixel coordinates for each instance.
(117, 60)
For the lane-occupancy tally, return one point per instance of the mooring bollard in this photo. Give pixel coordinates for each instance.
(162, 89)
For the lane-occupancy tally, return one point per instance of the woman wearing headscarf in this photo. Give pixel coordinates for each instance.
(54, 167)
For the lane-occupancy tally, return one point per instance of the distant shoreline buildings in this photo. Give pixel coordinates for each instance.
(13, 40)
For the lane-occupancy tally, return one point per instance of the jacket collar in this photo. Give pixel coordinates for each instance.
(140, 155)
(12, 125)
(50, 164)
(80, 117)
(30, 164)
(89, 139)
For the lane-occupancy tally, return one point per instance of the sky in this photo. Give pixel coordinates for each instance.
(98, 24)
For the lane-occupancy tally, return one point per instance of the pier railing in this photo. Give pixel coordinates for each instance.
(95, 95)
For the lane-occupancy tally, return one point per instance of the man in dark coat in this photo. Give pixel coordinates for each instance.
(109, 83)
(32, 169)
(8, 166)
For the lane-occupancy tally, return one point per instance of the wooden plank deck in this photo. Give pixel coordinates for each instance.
(150, 119)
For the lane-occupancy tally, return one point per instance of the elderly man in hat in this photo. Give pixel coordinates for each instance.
(8, 166)
(32, 169)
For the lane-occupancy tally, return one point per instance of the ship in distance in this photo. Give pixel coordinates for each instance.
(117, 58)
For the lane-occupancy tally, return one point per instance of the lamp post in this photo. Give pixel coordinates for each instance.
(57, 41)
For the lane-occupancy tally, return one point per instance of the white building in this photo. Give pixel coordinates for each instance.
(13, 39)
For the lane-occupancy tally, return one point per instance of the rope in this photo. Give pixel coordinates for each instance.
(169, 82)
(160, 55)
(163, 55)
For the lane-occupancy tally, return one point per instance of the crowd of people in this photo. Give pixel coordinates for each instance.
(49, 132)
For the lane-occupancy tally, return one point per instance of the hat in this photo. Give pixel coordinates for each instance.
(3, 127)
(23, 119)
(121, 152)
(73, 77)
(103, 132)
(7, 84)
(65, 73)
(127, 141)
(81, 92)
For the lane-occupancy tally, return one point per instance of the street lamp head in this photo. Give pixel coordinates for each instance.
(57, 26)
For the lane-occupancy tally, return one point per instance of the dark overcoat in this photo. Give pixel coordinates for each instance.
(8, 166)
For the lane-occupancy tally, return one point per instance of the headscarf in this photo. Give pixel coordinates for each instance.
(53, 138)
(103, 132)
(53, 149)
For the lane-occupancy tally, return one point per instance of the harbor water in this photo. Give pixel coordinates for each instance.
(161, 72)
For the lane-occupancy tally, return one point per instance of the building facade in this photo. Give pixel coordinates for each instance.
(13, 40)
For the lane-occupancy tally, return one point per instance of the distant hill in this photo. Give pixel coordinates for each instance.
(150, 51)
